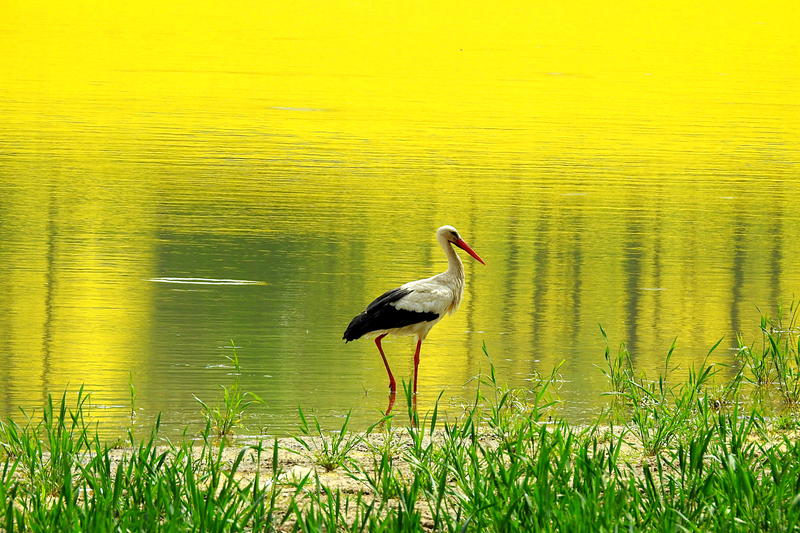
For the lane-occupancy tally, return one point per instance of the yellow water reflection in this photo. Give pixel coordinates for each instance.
(631, 164)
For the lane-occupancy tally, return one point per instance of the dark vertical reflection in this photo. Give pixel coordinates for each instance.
(573, 314)
(657, 232)
(776, 254)
(6, 375)
(540, 268)
(511, 266)
(5, 330)
(50, 280)
(632, 266)
(737, 271)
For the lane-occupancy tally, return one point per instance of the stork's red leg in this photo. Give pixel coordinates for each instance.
(392, 398)
(416, 363)
(392, 385)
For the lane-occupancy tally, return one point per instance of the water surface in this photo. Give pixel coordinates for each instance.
(174, 177)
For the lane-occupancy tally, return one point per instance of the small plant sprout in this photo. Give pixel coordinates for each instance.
(228, 413)
(132, 389)
(619, 367)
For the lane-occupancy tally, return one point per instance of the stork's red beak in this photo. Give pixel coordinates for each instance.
(464, 246)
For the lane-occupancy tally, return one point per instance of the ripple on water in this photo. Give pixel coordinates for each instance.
(207, 281)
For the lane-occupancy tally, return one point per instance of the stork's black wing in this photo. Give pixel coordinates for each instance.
(379, 315)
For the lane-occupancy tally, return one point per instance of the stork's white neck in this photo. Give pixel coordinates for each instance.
(454, 276)
(454, 266)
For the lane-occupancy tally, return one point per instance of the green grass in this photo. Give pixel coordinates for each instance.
(700, 453)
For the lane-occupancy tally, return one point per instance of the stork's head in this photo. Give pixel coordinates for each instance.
(450, 234)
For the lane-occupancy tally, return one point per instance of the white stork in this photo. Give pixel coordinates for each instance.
(414, 308)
